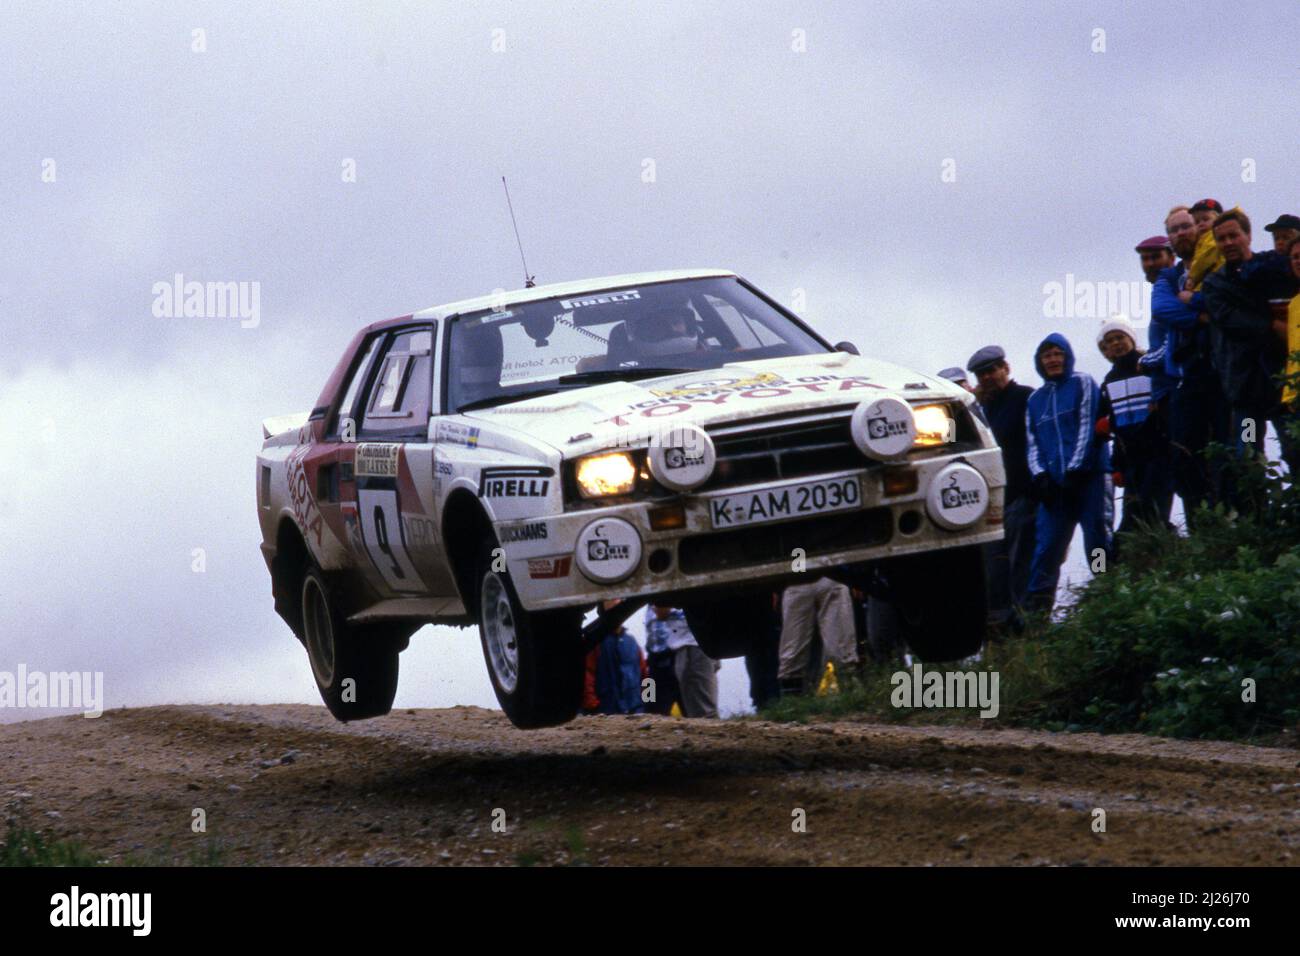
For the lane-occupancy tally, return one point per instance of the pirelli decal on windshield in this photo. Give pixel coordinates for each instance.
(514, 482)
(604, 299)
(377, 461)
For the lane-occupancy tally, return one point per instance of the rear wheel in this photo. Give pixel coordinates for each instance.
(535, 659)
(355, 667)
(937, 604)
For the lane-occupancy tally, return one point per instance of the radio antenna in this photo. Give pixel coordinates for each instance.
(528, 280)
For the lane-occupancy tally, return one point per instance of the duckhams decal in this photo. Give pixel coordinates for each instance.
(524, 532)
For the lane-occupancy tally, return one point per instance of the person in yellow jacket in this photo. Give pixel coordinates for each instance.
(1290, 393)
(1207, 256)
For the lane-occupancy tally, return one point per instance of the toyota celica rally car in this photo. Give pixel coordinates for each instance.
(515, 461)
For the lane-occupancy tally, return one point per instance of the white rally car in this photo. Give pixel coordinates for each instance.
(513, 461)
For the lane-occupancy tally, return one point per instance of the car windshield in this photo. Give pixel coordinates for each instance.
(534, 348)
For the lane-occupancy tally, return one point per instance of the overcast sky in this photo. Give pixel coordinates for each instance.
(909, 176)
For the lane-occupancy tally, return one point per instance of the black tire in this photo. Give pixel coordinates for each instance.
(355, 667)
(536, 660)
(884, 637)
(730, 627)
(937, 604)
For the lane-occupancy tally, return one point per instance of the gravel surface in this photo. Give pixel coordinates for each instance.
(288, 785)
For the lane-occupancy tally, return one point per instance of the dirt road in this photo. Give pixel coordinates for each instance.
(288, 785)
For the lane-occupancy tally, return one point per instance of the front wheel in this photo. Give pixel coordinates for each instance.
(355, 667)
(937, 604)
(730, 627)
(535, 659)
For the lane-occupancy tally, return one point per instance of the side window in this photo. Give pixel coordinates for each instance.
(398, 401)
(348, 407)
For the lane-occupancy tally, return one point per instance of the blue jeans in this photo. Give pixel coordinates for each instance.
(1056, 520)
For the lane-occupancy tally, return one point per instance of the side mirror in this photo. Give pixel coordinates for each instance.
(847, 347)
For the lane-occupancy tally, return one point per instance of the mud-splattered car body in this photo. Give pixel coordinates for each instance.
(445, 436)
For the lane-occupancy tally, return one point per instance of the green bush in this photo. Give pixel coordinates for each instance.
(1162, 642)
(1167, 641)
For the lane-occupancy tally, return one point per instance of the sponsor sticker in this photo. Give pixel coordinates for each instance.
(883, 429)
(682, 458)
(454, 433)
(533, 531)
(609, 549)
(514, 482)
(543, 568)
(604, 299)
(377, 460)
(958, 497)
(694, 397)
(718, 386)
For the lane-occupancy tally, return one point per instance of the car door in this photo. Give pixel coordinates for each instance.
(389, 498)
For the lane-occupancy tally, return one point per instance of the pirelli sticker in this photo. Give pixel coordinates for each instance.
(377, 460)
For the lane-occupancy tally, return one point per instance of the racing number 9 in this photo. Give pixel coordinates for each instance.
(381, 539)
(381, 531)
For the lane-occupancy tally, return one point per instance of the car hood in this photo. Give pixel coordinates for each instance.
(589, 418)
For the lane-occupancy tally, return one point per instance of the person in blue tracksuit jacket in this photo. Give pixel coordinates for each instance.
(1068, 465)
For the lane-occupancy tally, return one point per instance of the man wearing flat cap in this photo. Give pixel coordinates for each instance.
(1004, 403)
(1285, 229)
(1156, 254)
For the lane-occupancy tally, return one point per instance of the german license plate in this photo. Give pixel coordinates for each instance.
(785, 501)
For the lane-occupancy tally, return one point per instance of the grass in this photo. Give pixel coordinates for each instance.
(24, 846)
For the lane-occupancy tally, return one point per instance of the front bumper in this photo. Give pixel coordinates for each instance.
(547, 576)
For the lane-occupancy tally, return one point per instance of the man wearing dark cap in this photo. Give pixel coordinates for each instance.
(1285, 229)
(1156, 253)
(1004, 403)
(957, 376)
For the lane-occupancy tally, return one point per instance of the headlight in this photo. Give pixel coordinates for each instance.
(606, 474)
(934, 426)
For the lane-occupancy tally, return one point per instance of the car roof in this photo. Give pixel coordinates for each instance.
(575, 287)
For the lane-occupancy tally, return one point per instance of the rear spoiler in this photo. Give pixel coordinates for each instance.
(279, 424)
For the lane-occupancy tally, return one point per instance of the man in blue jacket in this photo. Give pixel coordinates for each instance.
(1068, 463)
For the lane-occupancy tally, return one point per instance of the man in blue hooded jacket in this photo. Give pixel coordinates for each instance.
(1068, 463)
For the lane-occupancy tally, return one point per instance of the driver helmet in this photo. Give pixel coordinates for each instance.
(666, 331)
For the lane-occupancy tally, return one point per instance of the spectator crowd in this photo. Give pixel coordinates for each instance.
(1220, 348)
